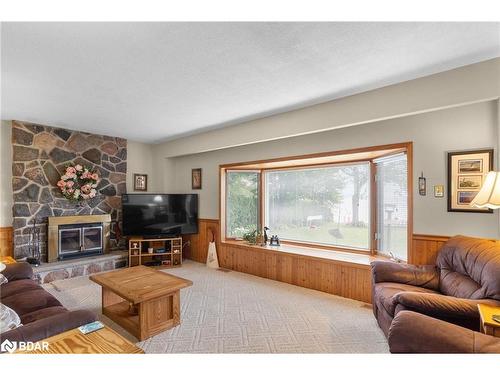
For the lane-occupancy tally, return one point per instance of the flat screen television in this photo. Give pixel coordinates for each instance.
(157, 215)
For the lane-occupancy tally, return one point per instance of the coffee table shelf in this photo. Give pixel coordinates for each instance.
(120, 313)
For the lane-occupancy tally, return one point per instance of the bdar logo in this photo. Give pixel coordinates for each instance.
(8, 346)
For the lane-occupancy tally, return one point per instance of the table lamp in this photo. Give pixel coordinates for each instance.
(489, 195)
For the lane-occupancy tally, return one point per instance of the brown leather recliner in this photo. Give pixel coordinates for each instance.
(467, 272)
(412, 332)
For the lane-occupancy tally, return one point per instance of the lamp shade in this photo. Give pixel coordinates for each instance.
(489, 195)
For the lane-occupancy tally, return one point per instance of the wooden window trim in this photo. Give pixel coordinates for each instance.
(395, 148)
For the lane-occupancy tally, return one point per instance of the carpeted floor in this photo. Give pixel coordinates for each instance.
(232, 312)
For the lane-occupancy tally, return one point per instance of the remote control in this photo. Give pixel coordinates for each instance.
(91, 327)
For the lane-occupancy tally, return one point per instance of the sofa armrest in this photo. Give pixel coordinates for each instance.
(439, 305)
(422, 276)
(50, 326)
(411, 332)
(17, 271)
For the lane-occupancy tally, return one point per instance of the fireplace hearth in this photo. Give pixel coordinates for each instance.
(78, 236)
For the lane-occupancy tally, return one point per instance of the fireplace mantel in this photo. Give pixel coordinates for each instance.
(56, 221)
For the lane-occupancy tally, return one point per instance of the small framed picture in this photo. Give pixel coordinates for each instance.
(439, 191)
(470, 182)
(466, 173)
(465, 197)
(140, 182)
(196, 179)
(470, 166)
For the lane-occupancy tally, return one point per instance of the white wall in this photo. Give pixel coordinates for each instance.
(5, 174)
(139, 160)
(433, 134)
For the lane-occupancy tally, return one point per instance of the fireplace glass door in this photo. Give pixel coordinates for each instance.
(77, 240)
(69, 241)
(92, 238)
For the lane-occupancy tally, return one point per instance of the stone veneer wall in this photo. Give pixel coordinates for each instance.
(40, 155)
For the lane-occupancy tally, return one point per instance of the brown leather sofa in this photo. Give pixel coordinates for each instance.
(412, 332)
(41, 314)
(467, 272)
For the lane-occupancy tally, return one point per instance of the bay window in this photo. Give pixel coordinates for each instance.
(354, 201)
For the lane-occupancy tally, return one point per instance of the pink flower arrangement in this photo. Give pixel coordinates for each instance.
(78, 183)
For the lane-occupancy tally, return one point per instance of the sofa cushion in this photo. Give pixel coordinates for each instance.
(42, 313)
(30, 300)
(18, 286)
(469, 268)
(385, 293)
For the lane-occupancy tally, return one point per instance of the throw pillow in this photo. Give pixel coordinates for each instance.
(3, 279)
(8, 319)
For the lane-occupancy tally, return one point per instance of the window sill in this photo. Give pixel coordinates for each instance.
(361, 260)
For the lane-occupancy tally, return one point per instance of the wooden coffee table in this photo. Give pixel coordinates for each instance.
(103, 341)
(143, 301)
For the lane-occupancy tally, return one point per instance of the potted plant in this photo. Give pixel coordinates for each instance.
(254, 237)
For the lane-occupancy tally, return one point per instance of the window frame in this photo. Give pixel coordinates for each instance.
(292, 163)
(318, 244)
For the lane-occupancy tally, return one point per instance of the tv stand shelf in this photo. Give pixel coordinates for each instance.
(139, 252)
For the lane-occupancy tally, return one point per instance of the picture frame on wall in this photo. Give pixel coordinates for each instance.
(439, 191)
(140, 182)
(196, 179)
(466, 173)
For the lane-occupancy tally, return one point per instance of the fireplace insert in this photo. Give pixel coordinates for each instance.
(77, 240)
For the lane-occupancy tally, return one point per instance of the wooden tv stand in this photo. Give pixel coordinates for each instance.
(166, 250)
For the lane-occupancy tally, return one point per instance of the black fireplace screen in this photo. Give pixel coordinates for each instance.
(77, 240)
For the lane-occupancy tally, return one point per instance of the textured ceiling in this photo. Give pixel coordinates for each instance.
(156, 81)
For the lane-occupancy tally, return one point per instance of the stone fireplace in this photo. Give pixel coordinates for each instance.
(72, 237)
(40, 155)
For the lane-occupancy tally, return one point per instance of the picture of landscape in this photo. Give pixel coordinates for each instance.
(470, 182)
(465, 197)
(470, 166)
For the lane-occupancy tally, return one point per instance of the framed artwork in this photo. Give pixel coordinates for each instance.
(140, 182)
(439, 191)
(466, 173)
(196, 179)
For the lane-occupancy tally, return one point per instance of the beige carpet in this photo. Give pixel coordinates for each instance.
(232, 312)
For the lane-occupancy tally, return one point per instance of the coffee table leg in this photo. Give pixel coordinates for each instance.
(158, 315)
(176, 308)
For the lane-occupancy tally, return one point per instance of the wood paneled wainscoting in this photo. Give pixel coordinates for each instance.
(338, 275)
(6, 241)
(425, 248)
(197, 244)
